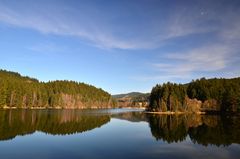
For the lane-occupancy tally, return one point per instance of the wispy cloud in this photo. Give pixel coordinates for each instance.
(212, 59)
(231, 33)
(185, 22)
(218, 57)
(46, 48)
(95, 26)
(61, 24)
(207, 58)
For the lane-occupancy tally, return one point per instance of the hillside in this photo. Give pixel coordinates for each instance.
(17, 91)
(199, 95)
(133, 99)
(131, 94)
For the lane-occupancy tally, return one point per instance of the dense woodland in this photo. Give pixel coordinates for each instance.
(25, 92)
(199, 95)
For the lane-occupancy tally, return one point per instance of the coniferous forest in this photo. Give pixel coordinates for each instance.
(199, 95)
(17, 91)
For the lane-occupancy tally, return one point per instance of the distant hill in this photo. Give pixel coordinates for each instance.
(18, 91)
(131, 94)
(132, 99)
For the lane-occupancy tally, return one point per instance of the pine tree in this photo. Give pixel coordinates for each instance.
(3, 94)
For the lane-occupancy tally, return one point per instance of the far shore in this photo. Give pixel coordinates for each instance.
(82, 108)
(169, 113)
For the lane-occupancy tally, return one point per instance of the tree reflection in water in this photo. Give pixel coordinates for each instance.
(55, 122)
(202, 129)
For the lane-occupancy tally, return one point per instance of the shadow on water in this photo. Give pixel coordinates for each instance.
(201, 129)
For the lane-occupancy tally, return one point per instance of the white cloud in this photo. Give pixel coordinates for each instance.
(207, 58)
(213, 59)
(96, 27)
(60, 24)
(219, 58)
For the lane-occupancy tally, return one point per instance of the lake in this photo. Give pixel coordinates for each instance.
(116, 133)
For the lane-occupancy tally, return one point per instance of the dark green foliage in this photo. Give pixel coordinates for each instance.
(24, 92)
(225, 91)
(215, 94)
(168, 97)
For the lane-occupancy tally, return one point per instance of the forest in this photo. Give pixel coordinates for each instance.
(17, 91)
(201, 95)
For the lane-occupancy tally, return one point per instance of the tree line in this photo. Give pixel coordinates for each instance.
(25, 92)
(198, 95)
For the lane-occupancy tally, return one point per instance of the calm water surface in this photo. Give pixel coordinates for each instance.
(116, 133)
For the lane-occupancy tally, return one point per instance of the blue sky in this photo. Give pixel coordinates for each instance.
(121, 46)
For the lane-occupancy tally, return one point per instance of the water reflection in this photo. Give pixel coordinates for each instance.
(132, 116)
(217, 130)
(168, 128)
(201, 129)
(55, 122)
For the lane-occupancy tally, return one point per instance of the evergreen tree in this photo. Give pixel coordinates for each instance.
(215, 94)
(18, 91)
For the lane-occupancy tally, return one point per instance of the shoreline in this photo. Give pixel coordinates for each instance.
(70, 108)
(174, 113)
